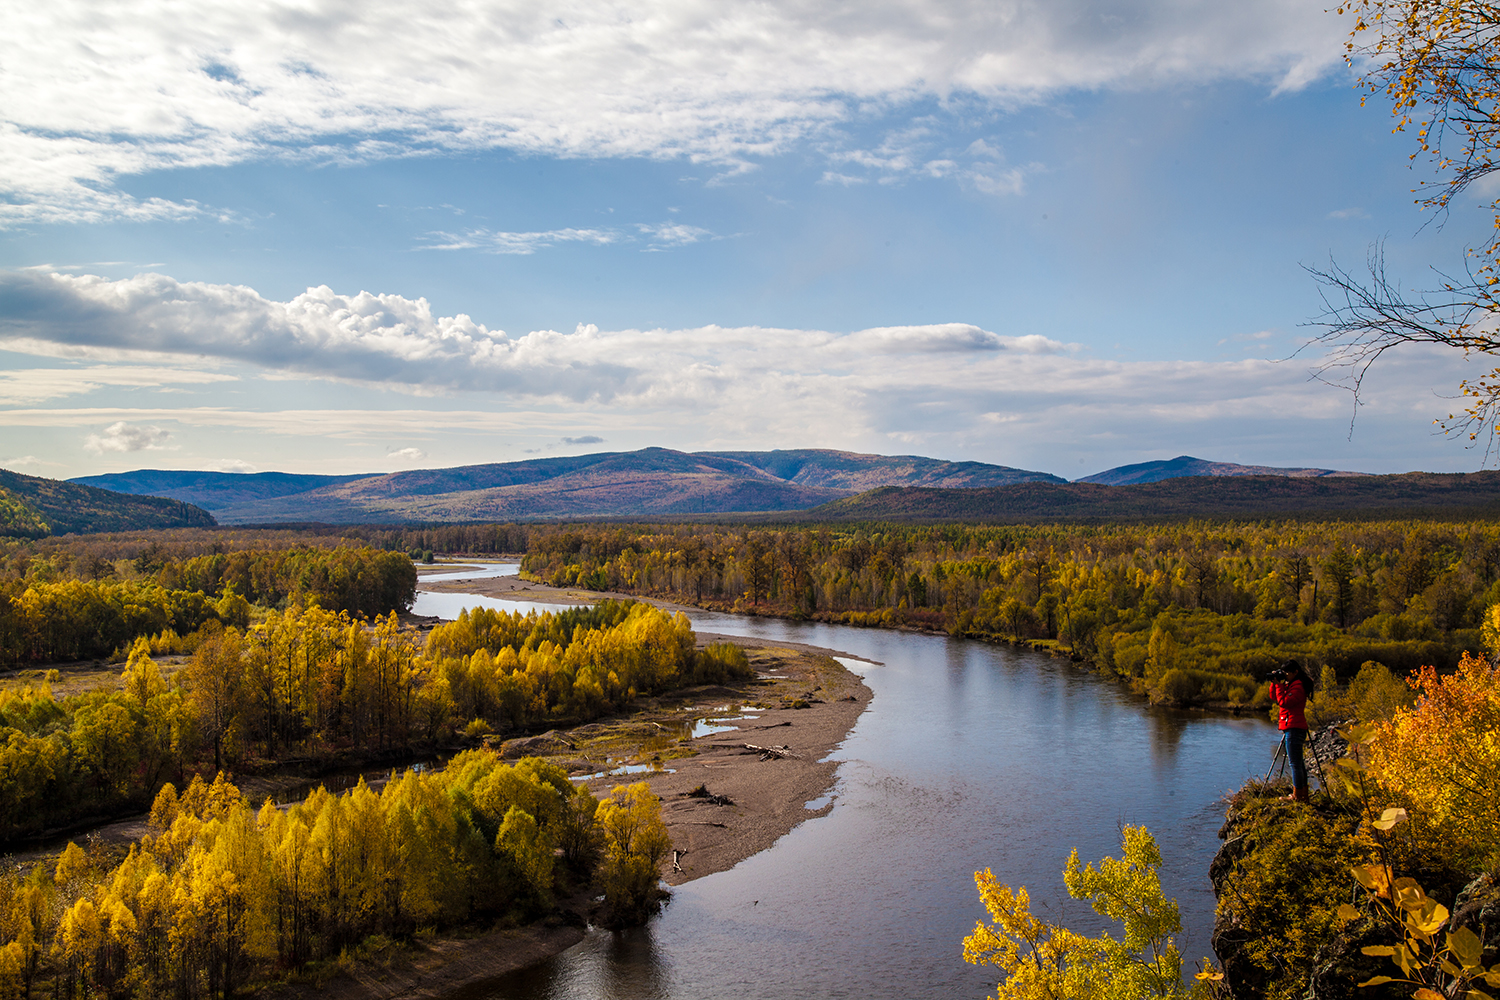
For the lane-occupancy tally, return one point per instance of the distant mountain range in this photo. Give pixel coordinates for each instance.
(649, 482)
(803, 484)
(1414, 494)
(1186, 465)
(34, 507)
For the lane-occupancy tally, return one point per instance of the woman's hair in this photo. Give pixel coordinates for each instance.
(1295, 670)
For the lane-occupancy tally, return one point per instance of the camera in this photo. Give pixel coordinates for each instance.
(1284, 672)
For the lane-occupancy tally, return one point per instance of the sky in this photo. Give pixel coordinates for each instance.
(341, 237)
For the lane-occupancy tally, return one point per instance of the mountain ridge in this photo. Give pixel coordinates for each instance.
(1408, 495)
(1186, 465)
(36, 507)
(647, 482)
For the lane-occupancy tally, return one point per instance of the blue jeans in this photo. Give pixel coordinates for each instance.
(1295, 738)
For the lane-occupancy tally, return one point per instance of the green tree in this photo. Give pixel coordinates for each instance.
(1339, 572)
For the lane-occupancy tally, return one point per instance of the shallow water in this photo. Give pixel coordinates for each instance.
(970, 756)
(469, 571)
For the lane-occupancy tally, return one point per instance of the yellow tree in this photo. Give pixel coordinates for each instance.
(1043, 961)
(636, 841)
(1442, 758)
(216, 681)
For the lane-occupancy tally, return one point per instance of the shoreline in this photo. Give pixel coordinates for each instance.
(751, 802)
(514, 587)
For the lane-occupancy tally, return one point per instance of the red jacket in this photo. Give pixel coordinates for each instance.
(1292, 697)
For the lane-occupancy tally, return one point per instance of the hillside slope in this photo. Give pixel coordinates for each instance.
(1186, 465)
(649, 482)
(67, 508)
(210, 490)
(1408, 495)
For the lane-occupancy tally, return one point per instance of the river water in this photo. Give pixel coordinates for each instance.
(970, 756)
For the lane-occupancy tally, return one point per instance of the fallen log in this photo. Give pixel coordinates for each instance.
(771, 753)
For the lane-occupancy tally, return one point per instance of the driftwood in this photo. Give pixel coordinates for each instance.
(771, 753)
(782, 752)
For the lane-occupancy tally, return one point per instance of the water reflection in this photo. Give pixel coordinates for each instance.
(970, 756)
(469, 571)
(604, 964)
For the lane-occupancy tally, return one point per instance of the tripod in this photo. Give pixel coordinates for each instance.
(1280, 757)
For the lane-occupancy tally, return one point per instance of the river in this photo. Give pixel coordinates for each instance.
(970, 756)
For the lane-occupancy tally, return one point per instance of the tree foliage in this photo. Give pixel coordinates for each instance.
(307, 681)
(1441, 759)
(220, 889)
(1044, 961)
(1186, 613)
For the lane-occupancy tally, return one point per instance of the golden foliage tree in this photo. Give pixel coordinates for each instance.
(1044, 961)
(1442, 757)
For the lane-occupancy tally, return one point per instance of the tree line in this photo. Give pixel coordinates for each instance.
(1188, 613)
(46, 617)
(219, 892)
(133, 554)
(309, 682)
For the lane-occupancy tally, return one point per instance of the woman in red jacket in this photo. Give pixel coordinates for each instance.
(1290, 686)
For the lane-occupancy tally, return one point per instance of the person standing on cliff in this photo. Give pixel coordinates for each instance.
(1290, 686)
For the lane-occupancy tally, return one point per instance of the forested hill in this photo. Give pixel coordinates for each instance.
(32, 507)
(1412, 494)
(211, 490)
(1187, 465)
(652, 481)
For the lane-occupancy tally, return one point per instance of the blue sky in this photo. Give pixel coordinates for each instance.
(353, 237)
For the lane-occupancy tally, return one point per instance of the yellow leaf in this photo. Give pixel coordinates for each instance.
(1378, 949)
(1428, 922)
(1347, 912)
(1376, 878)
(1423, 993)
(1466, 947)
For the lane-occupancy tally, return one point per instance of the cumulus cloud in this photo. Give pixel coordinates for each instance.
(407, 454)
(953, 387)
(121, 436)
(97, 92)
(232, 465)
(392, 340)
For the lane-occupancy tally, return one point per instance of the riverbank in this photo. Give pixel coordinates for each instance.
(516, 588)
(726, 794)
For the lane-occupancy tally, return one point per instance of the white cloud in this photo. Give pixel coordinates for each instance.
(95, 92)
(20, 461)
(121, 436)
(962, 389)
(232, 465)
(672, 234)
(407, 454)
(34, 385)
(391, 340)
(516, 243)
